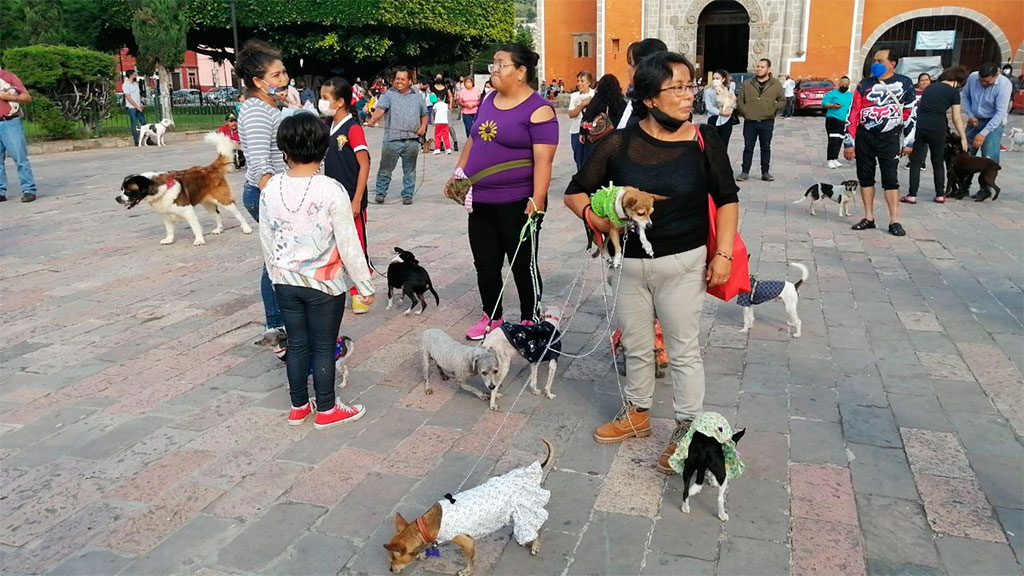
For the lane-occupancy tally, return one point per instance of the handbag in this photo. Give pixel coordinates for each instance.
(598, 128)
(458, 188)
(739, 277)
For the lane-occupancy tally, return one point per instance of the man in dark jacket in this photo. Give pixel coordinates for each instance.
(760, 100)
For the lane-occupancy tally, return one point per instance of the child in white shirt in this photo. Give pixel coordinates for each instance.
(441, 133)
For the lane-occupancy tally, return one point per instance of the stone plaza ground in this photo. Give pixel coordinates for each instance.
(142, 432)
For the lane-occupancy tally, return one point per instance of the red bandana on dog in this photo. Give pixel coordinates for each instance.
(170, 182)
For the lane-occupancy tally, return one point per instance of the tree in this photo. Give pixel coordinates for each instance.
(45, 22)
(160, 28)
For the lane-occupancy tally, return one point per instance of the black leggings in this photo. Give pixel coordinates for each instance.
(835, 130)
(724, 131)
(493, 237)
(933, 143)
(312, 319)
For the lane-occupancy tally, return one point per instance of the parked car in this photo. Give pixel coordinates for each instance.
(1017, 104)
(221, 96)
(809, 94)
(186, 97)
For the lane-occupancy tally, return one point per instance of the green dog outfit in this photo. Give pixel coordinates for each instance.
(714, 425)
(607, 203)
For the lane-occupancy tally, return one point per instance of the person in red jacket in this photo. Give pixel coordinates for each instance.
(881, 104)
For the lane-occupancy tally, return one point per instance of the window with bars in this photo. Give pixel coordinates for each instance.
(973, 46)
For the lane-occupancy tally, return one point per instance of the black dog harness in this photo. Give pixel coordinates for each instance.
(761, 291)
(532, 341)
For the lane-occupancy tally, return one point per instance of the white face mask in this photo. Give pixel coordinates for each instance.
(325, 107)
(716, 82)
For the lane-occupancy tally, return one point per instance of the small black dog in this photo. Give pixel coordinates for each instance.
(818, 192)
(406, 274)
(961, 168)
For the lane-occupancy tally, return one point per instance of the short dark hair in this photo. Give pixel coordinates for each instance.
(253, 60)
(651, 73)
(922, 75)
(303, 137)
(129, 73)
(340, 89)
(844, 77)
(726, 77)
(403, 69)
(522, 57)
(892, 54)
(988, 69)
(956, 74)
(586, 76)
(766, 61)
(637, 51)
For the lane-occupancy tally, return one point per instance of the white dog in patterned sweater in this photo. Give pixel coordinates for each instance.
(762, 291)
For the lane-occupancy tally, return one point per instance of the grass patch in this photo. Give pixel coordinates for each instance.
(185, 120)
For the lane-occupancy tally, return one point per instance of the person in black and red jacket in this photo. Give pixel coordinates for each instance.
(881, 104)
(347, 159)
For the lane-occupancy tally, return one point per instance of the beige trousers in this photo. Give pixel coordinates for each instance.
(671, 289)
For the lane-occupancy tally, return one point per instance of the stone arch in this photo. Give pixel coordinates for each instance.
(985, 21)
(760, 29)
(1018, 59)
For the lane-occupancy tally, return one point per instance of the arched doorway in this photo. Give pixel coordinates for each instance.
(723, 37)
(969, 44)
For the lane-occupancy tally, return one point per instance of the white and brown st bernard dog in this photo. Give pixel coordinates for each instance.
(175, 194)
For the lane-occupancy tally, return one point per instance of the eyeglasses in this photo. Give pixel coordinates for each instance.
(680, 90)
(495, 67)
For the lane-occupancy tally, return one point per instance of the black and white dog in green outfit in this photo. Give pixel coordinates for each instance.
(622, 205)
(709, 450)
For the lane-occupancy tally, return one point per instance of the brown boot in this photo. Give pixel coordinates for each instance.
(627, 424)
(677, 434)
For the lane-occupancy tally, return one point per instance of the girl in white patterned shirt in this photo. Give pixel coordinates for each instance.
(308, 236)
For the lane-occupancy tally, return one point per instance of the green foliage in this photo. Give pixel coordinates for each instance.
(160, 28)
(70, 22)
(45, 21)
(14, 31)
(524, 36)
(47, 115)
(78, 81)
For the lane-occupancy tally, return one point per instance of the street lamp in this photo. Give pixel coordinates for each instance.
(234, 32)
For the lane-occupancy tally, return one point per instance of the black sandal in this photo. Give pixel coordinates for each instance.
(896, 229)
(864, 224)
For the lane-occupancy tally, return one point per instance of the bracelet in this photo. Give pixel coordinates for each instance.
(723, 255)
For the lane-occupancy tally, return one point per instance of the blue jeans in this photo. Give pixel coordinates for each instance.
(251, 201)
(408, 151)
(136, 118)
(12, 141)
(990, 149)
(467, 121)
(577, 149)
(312, 319)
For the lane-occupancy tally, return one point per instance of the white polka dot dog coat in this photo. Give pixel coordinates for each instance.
(513, 497)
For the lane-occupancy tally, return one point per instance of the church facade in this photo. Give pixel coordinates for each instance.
(804, 38)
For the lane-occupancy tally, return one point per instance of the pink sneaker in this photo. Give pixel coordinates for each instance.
(482, 327)
(527, 323)
(298, 415)
(340, 413)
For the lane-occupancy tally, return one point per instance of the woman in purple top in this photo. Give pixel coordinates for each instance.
(513, 123)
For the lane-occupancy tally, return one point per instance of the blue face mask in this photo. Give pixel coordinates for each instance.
(877, 70)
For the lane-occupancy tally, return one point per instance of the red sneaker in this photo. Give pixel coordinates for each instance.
(340, 413)
(298, 415)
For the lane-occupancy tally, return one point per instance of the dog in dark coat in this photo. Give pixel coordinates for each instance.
(406, 274)
(961, 168)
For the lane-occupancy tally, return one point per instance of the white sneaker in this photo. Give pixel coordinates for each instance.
(449, 152)
(834, 164)
(436, 152)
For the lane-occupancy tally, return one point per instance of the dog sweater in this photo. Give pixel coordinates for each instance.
(607, 203)
(532, 341)
(760, 292)
(515, 496)
(714, 425)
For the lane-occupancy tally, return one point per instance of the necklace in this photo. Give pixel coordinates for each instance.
(280, 192)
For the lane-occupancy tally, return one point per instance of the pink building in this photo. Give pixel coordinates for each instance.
(196, 71)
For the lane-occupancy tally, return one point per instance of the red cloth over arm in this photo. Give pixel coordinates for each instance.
(854, 118)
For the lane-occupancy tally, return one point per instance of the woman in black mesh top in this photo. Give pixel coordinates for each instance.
(662, 155)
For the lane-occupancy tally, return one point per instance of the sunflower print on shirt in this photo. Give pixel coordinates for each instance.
(488, 130)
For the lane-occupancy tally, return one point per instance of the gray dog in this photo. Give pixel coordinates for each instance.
(462, 362)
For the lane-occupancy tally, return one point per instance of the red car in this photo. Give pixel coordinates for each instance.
(809, 94)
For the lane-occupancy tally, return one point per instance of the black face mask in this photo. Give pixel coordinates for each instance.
(844, 88)
(665, 121)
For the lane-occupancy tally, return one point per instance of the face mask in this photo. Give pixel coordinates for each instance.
(272, 90)
(292, 83)
(665, 121)
(324, 106)
(878, 69)
(844, 88)
(716, 82)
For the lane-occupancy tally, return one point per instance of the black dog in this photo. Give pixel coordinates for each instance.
(820, 191)
(406, 274)
(961, 168)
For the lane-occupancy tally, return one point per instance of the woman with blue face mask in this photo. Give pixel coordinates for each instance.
(259, 116)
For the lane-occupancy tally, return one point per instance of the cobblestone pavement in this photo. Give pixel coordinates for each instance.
(144, 433)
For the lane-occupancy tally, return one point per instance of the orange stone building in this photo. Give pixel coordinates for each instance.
(804, 38)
